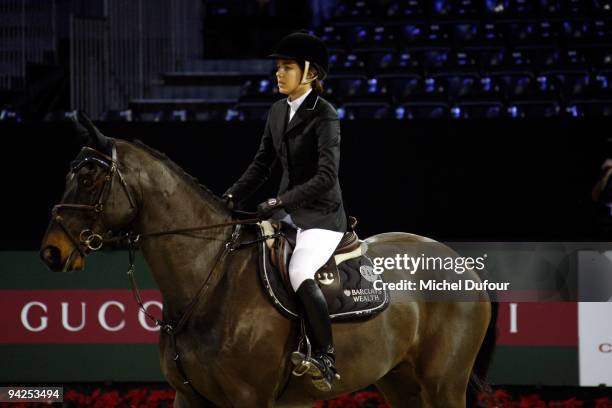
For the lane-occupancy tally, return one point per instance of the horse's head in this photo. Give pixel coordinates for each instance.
(97, 202)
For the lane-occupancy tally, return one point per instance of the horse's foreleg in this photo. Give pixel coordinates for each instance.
(190, 400)
(400, 388)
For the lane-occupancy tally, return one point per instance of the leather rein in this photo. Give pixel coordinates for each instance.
(89, 241)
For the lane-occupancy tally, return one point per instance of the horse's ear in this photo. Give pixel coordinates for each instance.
(81, 132)
(96, 139)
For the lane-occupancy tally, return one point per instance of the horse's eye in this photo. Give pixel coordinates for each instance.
(85, 181)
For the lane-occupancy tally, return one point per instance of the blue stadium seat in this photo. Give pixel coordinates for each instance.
(366, 111)
(10, 115)
(464, 60)
(574, 58)
(522, 31)
(380, 62)
(410, 61)
(412, 34)
(405, 8)
(422, 110)
(250, 111)
(603, 84)
(497, 7)
(180, 115)
(517, 86)
(477, 110)
(598, 57)
(151, 116)
(334, 38)
(371, 38)
(602, 7)
(492, 59)
(459, 86)
(436, 60)
(550, 6)
(563, 60)
(439, 33)
(466, 32)
(575, 85)
(346, 88)
(492, 32)
(577, 7)
(519, 61)
(524, 8)
(534, 109)
(466, 7)
(589, 108)
(346, 63)
(214, 113)
(488, 88)
(602, 29)
(577, 30)
(353, 9)
(412, 88)
(541, 58)
(442, 8)
(548, 31)
(264, 90)
(116, 115)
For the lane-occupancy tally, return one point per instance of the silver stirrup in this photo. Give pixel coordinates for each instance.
(299, 359)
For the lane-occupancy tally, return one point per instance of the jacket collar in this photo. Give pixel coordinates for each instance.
(304, 111)
(299, 101)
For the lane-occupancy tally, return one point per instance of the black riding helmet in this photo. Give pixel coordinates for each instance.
(302, 46)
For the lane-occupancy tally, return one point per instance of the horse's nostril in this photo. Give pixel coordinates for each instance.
(51, 255)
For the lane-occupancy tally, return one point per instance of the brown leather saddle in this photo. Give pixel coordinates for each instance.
(346, 279)
(327, 275)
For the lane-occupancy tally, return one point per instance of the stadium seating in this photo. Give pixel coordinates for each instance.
(417, 59)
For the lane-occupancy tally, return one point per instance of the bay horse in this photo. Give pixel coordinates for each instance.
(234, 345)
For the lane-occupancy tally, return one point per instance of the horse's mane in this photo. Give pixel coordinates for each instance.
(204, 191)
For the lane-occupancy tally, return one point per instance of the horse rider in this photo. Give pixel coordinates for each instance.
(302, 131)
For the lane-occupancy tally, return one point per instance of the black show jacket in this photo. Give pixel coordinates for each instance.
(308, 148)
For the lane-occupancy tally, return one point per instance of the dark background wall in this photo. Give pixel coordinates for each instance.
(456, 180)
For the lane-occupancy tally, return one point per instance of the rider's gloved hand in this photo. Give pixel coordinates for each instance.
(268, 207)
(228, 198)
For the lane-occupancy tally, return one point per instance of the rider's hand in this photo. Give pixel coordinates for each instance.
(268, 207)
(228, 199)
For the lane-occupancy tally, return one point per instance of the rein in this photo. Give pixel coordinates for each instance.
(88, 241)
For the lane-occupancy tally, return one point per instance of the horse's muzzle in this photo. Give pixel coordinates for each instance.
(52, 257)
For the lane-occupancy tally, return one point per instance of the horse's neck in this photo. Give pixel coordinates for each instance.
(179, 263)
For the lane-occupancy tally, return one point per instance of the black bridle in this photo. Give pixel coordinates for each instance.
(90, 241)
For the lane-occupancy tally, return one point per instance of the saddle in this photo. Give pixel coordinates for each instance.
(346, 280)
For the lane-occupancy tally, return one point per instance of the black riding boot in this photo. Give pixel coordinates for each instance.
(323, 361)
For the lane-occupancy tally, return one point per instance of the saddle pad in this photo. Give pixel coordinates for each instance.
(357, 299)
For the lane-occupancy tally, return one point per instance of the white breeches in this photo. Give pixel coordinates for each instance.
(313, 247)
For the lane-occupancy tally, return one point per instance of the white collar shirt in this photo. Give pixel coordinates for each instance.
(295, 104)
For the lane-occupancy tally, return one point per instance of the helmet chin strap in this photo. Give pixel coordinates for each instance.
(305, 80)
